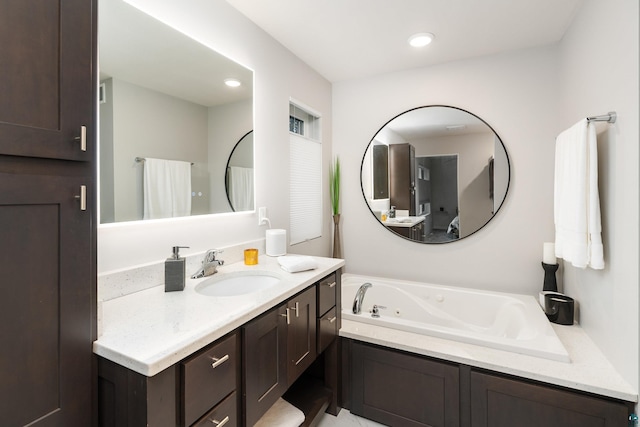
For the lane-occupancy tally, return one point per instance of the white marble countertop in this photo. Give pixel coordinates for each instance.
(150, 330)
(588, 371)
(405, 221)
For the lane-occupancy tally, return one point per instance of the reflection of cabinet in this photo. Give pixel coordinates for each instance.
(413, 233)
(397, 388)
(402, 179)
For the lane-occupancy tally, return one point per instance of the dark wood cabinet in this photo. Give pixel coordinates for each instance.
(402, 177)
(48, 78)
(264, 363)
(397, 388)
(400, 389)
(301, 334)
(209, 377)
(505, 402)
(237, 378)
(48, 253)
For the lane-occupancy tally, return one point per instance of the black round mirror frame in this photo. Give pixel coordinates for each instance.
(406, 232)
(226, 173)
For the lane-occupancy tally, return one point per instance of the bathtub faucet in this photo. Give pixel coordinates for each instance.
(357, 301)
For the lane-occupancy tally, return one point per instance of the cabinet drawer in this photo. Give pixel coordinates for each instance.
(327, 329)
(327, 289)
(225, 414)
(208, 377)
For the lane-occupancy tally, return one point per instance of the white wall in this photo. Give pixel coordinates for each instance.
(278, 76)
(600, 74)
(516, 95)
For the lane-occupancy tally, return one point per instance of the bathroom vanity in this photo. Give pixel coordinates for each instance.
(183, 358)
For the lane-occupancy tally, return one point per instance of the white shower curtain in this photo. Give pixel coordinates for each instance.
(167, 188)
(241, 188)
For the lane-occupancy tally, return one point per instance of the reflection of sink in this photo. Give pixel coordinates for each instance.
(233, 284)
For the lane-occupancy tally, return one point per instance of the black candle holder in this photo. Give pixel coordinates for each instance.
(550, 283)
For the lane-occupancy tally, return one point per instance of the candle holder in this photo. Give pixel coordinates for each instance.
(550, 283)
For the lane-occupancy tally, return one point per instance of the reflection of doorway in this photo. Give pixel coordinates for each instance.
(439, 196)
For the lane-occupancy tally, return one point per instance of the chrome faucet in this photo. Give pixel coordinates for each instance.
(357, 301)
(209, 264)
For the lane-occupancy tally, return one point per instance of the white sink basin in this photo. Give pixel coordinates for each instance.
(234, 284)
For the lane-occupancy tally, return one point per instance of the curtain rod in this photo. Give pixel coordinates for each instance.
(611, 118)
(142, 159)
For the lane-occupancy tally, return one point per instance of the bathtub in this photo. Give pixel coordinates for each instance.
(497, 320)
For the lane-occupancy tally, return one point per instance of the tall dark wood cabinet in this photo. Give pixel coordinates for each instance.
(402, 177)
(47, 212)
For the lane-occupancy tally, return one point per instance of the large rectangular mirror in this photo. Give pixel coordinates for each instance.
(168, 121)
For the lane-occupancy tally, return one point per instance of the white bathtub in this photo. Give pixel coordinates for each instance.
(503, 321)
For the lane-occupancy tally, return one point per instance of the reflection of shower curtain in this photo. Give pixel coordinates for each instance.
(167, 188)
(241, 188)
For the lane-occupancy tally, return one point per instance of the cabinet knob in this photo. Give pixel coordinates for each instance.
(219, 423)
(217, 362)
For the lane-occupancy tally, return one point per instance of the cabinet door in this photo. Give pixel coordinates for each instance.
(47, 83)
(398, 389)
(46, 304)
(502, 402)
(301, 333)
(264, 363)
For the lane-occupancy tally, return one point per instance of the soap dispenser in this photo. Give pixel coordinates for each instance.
(175, 271)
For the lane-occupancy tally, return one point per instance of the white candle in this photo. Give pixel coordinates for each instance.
(549, 253)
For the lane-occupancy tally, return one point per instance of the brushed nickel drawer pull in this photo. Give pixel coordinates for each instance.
(331, 285)
(296, 307)
(217, 362)
(82, 197)
(82, 139)
(220, 423)
(286, 314)
(332, 319)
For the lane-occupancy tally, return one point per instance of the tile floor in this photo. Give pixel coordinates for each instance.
(346, 419)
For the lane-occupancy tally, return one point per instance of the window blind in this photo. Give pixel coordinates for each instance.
(305, 188)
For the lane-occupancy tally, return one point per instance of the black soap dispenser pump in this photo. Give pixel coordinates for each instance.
(175, 271)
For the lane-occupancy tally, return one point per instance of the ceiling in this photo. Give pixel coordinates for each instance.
(350, 39)
(137, 48)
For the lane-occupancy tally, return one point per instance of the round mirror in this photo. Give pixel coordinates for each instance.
(238, 177)
(435, 174)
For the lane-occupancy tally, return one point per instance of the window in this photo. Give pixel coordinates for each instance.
(305, 174)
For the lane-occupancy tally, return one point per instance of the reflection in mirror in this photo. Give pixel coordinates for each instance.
(446, 170)
(239, 175)
(163, 96)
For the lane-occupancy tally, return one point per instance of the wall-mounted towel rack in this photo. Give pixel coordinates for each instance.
(142, 159)
(611, 118)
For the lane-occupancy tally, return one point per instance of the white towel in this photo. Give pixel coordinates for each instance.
(281, 414)
(576, 198)
(296, 263)
(167, 188)
(241, 188)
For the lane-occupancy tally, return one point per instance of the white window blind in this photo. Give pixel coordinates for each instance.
(305, 188)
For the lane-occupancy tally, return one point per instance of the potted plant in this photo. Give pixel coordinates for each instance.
(334, 190)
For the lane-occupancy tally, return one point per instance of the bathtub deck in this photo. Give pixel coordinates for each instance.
(588, 371)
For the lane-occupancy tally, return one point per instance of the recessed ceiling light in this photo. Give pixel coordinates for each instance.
(232, 82)
(421, 39)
